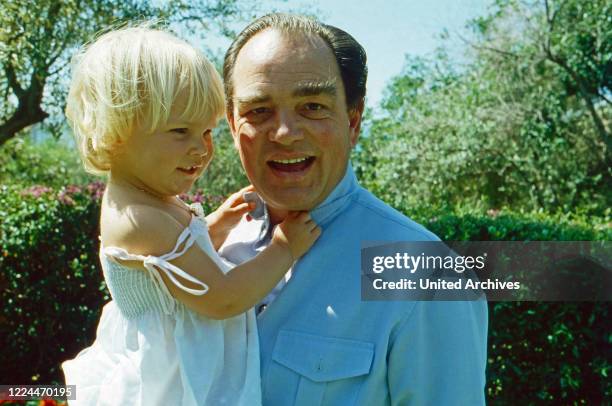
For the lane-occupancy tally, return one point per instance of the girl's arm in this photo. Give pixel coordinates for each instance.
(240, 288)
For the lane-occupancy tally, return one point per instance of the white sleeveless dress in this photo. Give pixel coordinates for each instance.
(152, 350)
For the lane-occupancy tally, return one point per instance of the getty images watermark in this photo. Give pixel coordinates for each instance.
(497, 270)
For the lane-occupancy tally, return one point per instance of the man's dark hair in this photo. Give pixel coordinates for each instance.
(350, 55)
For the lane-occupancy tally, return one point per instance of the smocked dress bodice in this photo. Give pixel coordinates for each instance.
(151, 349)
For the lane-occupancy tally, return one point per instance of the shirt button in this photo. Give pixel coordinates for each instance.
(261, 308)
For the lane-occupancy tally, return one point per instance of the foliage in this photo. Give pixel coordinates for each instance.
(495, 225)
(38, 37)
(51, 288)
(51, 163)
(549, 353)
(524, 124)
(539, 352)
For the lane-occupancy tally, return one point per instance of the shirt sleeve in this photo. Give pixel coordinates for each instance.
(438, 355)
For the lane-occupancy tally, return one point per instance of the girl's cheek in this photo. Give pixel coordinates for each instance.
(175, 147)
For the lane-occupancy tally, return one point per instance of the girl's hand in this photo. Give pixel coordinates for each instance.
(297, 232)
(221, 221)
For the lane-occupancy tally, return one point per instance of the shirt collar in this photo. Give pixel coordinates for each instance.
(337, 200)
(327, 210)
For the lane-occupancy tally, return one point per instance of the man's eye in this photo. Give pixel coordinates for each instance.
(313, 106)
(258, 115)
(259, 110)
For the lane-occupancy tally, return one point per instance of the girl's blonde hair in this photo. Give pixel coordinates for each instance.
(130, 78)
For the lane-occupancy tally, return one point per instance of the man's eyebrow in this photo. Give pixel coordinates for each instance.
(241, 101)
(327, 87)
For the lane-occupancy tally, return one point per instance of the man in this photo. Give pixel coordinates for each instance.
(295, 96)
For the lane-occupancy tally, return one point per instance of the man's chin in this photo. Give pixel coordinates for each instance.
(287, 207)
(284, 204)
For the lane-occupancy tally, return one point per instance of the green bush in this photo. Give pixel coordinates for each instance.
(539, 352)
(50, 162)
(51, 287)
(509, 226)
(53, 292)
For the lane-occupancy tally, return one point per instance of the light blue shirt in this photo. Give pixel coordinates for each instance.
(322, 345)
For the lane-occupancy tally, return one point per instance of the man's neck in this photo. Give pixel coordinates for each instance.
(276, 215)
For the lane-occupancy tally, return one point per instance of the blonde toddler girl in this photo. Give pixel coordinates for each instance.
(179, 329)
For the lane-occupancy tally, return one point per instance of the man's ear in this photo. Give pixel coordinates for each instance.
(229, 116)
(355, 115)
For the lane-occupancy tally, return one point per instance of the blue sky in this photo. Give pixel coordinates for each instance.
(390, 29)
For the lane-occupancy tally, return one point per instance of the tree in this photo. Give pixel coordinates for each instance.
(524, 124)
(38, 37)
(575, 36)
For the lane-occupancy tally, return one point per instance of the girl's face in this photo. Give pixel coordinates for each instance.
(168, 161)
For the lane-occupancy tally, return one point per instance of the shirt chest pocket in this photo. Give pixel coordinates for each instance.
(311, 369)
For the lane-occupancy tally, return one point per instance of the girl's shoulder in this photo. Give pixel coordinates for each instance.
(139, 228)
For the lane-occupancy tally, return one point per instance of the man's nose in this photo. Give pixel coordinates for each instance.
(287, 128)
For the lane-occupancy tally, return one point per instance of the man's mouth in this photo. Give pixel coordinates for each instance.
(291, 165)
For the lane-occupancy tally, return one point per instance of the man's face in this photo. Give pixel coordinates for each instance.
(289, 121)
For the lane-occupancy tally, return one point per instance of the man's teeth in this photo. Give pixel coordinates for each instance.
(289, 161)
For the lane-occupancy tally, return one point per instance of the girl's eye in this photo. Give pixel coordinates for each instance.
(179, 130)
